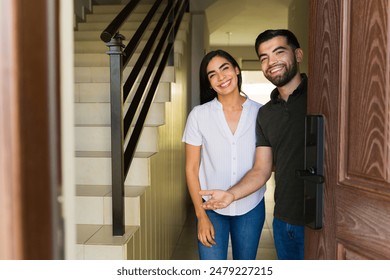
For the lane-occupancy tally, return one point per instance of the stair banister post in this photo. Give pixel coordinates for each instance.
(117, 138)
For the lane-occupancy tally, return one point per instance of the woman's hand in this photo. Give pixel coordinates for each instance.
(218, 199)
(206, 231)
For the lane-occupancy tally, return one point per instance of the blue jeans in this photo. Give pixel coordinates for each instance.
(244, 230)
(289, 240)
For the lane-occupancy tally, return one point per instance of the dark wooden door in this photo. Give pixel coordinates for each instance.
(349, 83)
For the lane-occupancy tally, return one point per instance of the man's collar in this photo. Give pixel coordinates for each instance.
(301, 87)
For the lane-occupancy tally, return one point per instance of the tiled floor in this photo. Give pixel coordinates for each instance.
(186, 248)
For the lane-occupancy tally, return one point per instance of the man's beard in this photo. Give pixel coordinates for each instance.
(290, 73)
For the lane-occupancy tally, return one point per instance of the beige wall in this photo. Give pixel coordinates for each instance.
(298, 22)
(245, 56)
(164, 205)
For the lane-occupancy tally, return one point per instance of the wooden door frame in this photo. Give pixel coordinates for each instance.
(29, 130)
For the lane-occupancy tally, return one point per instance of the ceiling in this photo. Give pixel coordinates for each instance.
(238, 22)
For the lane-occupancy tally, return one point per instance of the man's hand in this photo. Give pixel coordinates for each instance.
(218, 199)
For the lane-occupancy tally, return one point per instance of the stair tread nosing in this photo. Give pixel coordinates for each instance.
(102, 235)
(105, 190)
(107, 154)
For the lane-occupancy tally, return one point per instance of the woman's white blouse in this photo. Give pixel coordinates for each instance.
(225, 157)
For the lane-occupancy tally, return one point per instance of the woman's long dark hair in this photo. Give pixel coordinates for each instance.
(206, 92)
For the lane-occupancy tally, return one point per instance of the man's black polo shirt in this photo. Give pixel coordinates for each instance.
(281, 126)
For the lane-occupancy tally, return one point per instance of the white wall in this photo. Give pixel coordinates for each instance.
(67, 126)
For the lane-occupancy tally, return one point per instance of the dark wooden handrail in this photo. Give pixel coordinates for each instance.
(159, 48)
(114, 26)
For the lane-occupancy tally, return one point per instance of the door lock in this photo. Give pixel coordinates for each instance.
(311, 175)
(313, 172)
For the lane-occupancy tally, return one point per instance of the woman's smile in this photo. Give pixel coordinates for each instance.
(225, 84)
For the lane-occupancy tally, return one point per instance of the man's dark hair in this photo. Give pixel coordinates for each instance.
(292, 41)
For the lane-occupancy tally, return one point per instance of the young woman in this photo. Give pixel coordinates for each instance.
(220, 148)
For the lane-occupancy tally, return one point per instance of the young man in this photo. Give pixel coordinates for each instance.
(280, 133)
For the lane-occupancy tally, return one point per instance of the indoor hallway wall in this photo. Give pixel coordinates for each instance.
(165, 202)
(298, 22)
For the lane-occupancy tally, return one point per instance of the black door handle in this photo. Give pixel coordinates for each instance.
(311, 175)
(313, 171)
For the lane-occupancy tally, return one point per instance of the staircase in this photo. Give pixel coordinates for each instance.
(93, 157)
